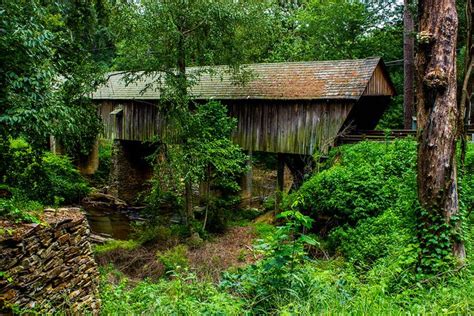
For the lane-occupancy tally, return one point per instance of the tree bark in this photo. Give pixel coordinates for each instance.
(437, 113)
(408, 64)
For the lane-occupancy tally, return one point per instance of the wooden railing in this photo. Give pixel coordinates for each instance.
(373, 135)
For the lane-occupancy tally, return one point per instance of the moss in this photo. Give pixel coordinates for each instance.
(116, 244)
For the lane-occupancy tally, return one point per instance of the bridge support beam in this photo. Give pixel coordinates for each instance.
(86, 164)
(89, 164)
(299, 166)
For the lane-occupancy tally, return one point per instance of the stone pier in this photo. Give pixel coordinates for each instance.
(130, 171)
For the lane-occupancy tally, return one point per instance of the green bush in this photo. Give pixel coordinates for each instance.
(152, 233)
(372, 238)
(65, 180)
(19, 209)
(174, 259)
(365, 201)
(282, 254)
(43, 176)
(363, 180)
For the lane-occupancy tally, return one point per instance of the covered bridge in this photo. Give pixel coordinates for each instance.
(293, 108)
(286, 108)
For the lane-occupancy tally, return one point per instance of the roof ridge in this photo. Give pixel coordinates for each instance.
(377, 58)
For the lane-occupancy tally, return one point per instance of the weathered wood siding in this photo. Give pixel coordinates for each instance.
(138, 121)
(297, 127)
(379, 84)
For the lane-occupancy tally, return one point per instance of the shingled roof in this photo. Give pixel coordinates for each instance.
(335, 79)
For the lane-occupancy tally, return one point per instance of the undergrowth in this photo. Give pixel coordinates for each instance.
(363, 206)
(31, 179)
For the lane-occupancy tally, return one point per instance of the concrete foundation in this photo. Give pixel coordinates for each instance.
(89, 164)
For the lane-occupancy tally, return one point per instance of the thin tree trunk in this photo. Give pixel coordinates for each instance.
(437, 114)
(208, 196)
(468, 82)
(188, 197)
(183, 100)
(408, 64)
(280, 179)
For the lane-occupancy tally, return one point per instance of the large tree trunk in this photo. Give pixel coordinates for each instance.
(437, 114)
(408, 64)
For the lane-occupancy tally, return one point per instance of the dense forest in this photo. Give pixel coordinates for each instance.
(383, 225)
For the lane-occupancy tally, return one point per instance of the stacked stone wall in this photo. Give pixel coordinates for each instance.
(48, 267)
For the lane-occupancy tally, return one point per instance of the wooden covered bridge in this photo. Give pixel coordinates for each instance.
(294, 108)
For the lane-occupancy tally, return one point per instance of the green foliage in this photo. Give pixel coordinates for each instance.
(365, 200)
(322, 287)
(376, 274)
(219, 32)
(466, 181)
(65, 180)
(364, 180)
(435, 237)
(208, 145)
(20, 209)
(368, 191)
(46, 72)
(153, 233)
(182, 295)
(43, 177)
(325, 30)
(174, 259)
(372, 239)
(263, 230)
(331, 287)
(283, 252)
(206, 154)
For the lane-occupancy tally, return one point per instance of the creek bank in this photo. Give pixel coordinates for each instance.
(110, 217)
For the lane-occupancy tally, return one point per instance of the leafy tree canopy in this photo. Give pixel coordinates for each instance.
(47, 69)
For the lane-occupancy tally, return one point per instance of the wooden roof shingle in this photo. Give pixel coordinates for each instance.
(335, 79)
